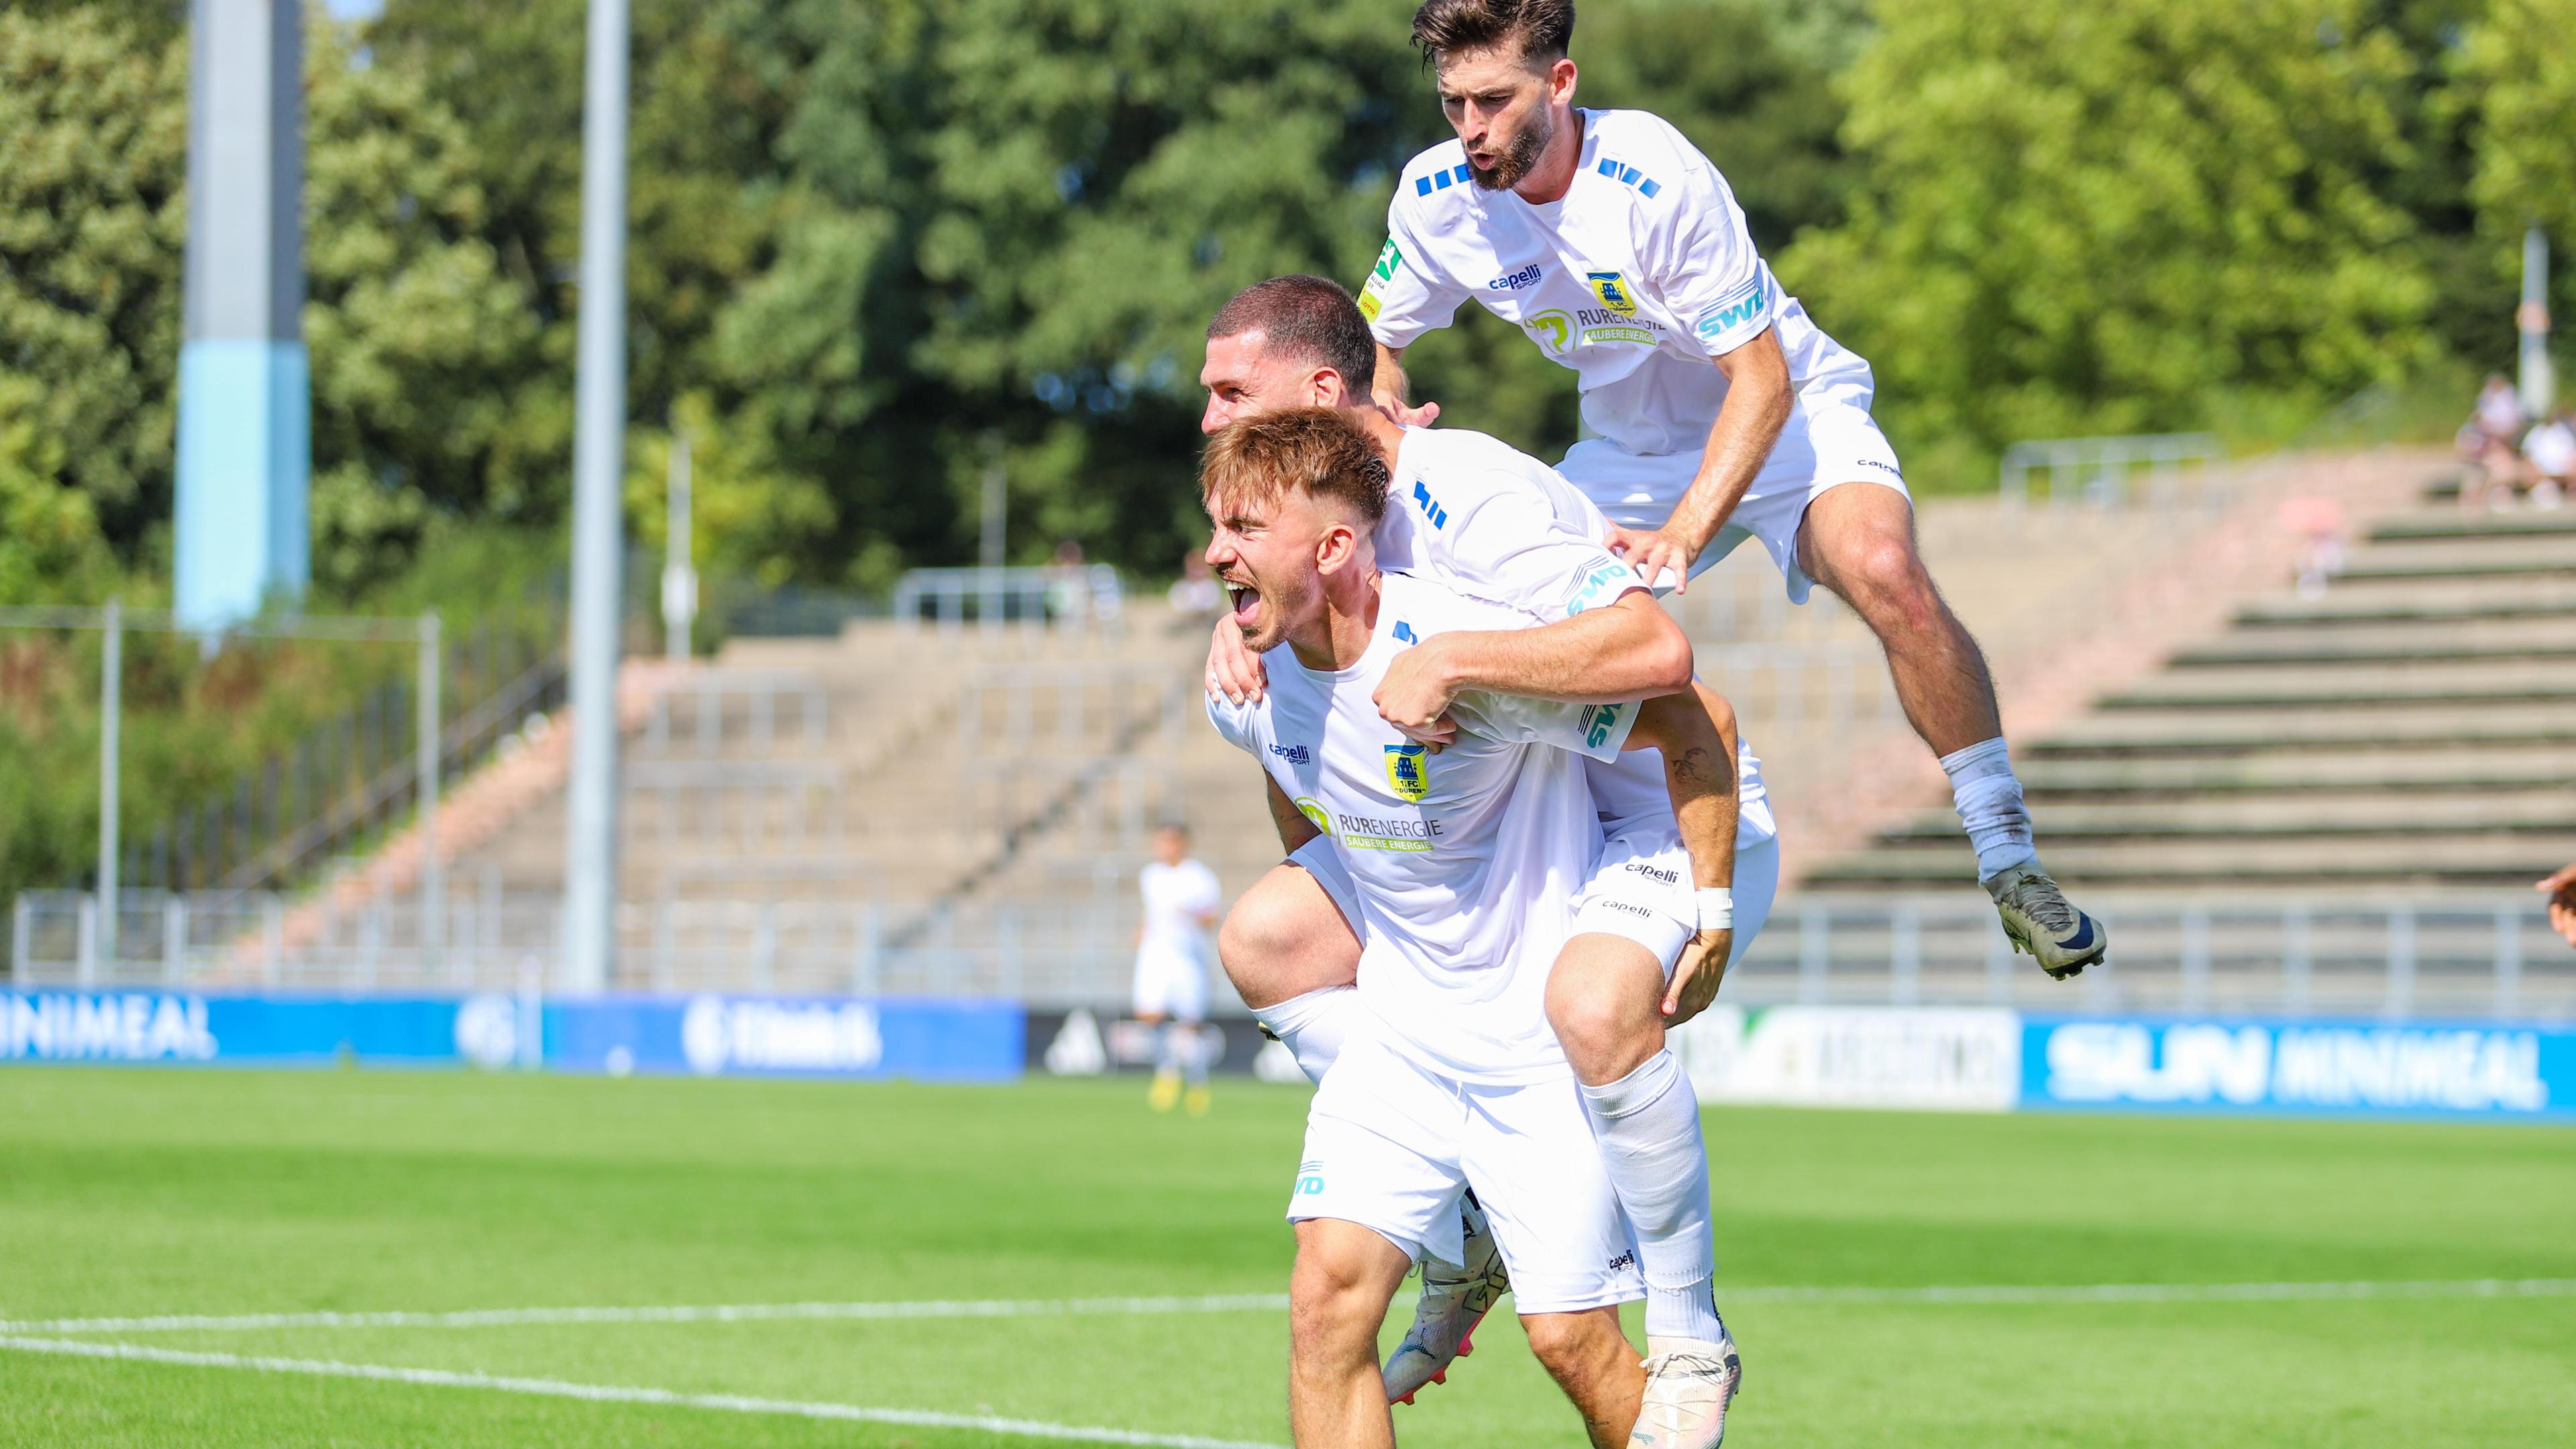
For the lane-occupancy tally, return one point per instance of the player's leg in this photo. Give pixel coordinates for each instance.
(1151, 1004)
(1289, 948)
(1854, 533)
(1337, 1296)
(1380, 1163)
(1188, 1033)
(1596, 1367)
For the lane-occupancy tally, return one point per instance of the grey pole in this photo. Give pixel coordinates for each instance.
(433, 876)
(997, 516)
(2537, 386)
(111, 708)
(242, 532)
(590, 845)
(679, 574)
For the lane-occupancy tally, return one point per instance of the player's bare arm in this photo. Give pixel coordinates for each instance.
(1630, 650)
(1758, 401)
(1293, 826)
(1695, 729)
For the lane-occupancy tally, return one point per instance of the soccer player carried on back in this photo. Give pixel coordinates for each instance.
(1467, 864)
(1721, 411)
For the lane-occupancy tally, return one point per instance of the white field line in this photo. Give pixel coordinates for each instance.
(683, 1313)
(621, 1394)
(1995, 1293)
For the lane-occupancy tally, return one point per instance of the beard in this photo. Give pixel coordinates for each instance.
(1520, 157)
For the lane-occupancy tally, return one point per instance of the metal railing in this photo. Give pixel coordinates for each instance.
(2459, 956)
(1060, 596)
(2105, 472)
(709, 710)
(748, 805)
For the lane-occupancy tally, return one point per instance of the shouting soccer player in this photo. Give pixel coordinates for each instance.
(1464, 861)
(1721, 411)
(1494, 524)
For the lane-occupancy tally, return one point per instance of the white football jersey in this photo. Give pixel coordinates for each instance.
(1467, 862)
(1177, 900)
(1486, 520)
(1635, 278)
(1474, 513)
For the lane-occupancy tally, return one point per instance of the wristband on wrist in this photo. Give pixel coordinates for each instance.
(1716, 908)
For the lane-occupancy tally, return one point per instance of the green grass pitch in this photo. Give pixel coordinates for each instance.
(228, 1193)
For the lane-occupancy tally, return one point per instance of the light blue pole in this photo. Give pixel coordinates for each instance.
(245, 395)
(2532, 320)
(599, 402)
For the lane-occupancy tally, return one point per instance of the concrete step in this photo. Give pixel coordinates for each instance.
(2500, 862)
(2540, 557)
(2472, 684)
(2532, 639)
(2420, 601)
(2142, 734)
(2428, 525)
(2448, 766)
(2542, 812)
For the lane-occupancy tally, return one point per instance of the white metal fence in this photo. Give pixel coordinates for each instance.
(1060, 596)
(2454, 956)
(2155, 470)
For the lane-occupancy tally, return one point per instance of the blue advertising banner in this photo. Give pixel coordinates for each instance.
(184, 1028)
(2322, 1067)
(794, 1036)
(934, 1040)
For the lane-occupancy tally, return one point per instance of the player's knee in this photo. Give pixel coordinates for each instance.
(1334, 1307)
(1570, 1346)
(1282, 940)
(1884, 580)
(1598, 1028)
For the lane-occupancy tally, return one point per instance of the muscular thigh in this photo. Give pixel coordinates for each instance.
(1285, 937)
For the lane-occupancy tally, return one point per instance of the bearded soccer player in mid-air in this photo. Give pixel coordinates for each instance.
(1721, 411)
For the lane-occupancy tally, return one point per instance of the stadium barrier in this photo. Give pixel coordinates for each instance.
(1979, 1059)
(926, 1039)
(1999, 1060)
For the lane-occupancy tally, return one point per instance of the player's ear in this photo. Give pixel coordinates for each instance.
(1335, 549)
(1560, 81)
(1324, 388)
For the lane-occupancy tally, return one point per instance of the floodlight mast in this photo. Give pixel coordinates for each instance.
(2531, 319)
(590, 845)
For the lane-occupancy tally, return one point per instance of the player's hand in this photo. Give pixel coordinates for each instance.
(1411, 417)
(2562, 903)
(1416, 693)
(1233, 670)
(1650, 551)
(1696, 977)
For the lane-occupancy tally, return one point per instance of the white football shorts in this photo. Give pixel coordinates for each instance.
(1830, 440)
(1171, 983)
(1390, 1145)
(1641, 889)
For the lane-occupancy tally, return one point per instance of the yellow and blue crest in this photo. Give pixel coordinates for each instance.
(1613, 291)
(1408, 770)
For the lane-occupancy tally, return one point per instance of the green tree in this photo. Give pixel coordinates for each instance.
(2518, 74)
(2117, 215)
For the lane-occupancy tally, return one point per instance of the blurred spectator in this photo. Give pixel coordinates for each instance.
(1195, 596)
(1181, 898)
(2486, 441)
(2562, 903)
(2550, 449)
(2318, 522)
(1068, 596)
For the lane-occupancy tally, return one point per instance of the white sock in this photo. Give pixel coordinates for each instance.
(1313, 1026)
(1193, 1053)
(1647, 1123)
(1988, 795)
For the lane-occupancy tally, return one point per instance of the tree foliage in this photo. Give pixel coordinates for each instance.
(2120, 215)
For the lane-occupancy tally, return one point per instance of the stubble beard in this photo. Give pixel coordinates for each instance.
(1520, 158)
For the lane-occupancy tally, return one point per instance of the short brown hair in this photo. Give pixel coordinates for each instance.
(1541, 29)
(1258, 459)
(1308, 318)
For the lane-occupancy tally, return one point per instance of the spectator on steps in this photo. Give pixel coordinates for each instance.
(2550, 450)
(2486, 441)
(1195, 596)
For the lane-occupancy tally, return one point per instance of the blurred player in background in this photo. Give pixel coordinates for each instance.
(1182, 899)
(1462, 862)
(1719, 410)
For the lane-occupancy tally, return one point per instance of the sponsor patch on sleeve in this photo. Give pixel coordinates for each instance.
(1603, 581)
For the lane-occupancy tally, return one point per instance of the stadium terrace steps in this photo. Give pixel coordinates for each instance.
(2414, 727)
(2455, 768)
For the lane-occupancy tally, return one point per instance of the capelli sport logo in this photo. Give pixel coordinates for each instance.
(1514, 281)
